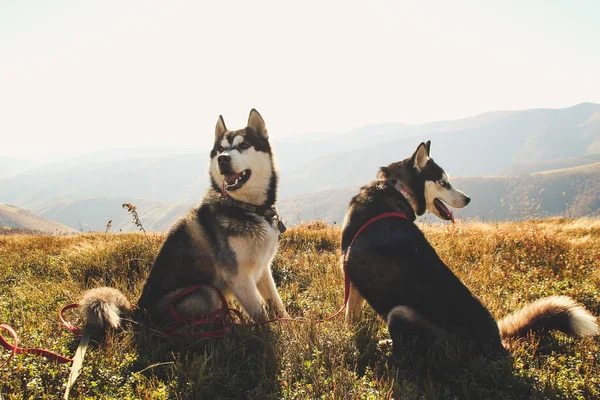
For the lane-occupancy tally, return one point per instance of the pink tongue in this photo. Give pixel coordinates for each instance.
(446, 209)
(230, 178)
(450, 213)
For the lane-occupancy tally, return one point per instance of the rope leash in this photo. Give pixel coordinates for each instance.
(222, 316)
(50, 355)
(77, 360)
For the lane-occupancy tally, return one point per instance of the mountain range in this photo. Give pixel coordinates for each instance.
(500, 153)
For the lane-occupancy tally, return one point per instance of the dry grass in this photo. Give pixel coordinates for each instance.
(505, 265)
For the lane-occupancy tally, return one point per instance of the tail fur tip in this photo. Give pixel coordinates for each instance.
(554, 312)
(104, 307)
(584, 324)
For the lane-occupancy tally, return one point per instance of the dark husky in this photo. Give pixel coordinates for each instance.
(394, 268)
(228, 241)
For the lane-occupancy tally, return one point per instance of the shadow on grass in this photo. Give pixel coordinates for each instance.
(243, 364)
(445, 371)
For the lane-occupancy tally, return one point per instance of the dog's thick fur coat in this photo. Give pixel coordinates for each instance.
(227, 242)
(393, 267)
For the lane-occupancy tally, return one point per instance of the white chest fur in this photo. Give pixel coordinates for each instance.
(255, 252)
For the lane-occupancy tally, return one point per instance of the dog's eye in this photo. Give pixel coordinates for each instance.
(221, 149)
(244, 146)
(443, 184)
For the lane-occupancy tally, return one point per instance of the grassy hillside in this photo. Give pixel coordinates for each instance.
(505, 265)
(12, 217)
(572, 192)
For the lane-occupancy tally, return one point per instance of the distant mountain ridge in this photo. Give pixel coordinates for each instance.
(92, 215)
(495, 143)
(16, 218)
(11, 166)
(476, 148)
(549, 165)
(485, 144)
(572, 192)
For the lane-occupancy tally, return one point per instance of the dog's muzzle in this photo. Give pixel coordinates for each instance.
(224, 162)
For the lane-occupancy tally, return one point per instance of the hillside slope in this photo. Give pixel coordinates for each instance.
(92, 215)
(14, 217)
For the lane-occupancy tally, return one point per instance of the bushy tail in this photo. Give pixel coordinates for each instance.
(550, 313)
(103, 307)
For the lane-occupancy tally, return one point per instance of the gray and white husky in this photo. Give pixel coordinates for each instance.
(393, 267)
(228, 241)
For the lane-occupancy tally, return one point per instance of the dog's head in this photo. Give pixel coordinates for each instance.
(242, 162)
(427, 183)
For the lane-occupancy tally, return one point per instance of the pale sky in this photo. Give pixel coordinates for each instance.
(83, 75)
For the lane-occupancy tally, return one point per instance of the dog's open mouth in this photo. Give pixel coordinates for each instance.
(234, 181)
(444, 211)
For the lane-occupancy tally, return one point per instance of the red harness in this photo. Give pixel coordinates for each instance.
(362, 228)
(346, 276)
(222, 317)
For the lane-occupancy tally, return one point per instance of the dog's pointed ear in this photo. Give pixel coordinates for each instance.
(220, 129)
(257, 123)
(420, 158)
(428, 144)
(383, 174)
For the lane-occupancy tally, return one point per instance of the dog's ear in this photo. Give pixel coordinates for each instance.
(420, 158)
(257, 123)
(384, 173)
(220, 129)
(428, 144)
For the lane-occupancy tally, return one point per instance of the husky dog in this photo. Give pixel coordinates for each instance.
(394, 268)
(227, 242)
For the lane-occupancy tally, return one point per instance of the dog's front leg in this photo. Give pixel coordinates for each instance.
(354, 306)
(247, 294)
(268, 290)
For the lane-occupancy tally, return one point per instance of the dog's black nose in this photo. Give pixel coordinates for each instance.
(224, 159)
(467, 201)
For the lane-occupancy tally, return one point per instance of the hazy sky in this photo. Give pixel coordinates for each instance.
(79, 75)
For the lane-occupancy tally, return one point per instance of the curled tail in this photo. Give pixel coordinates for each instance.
(103, 307)
(550, 313)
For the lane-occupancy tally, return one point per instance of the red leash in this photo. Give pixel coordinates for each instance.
(222, 316)
(50, 355)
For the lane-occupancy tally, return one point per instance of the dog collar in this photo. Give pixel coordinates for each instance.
(408, 196)
(266, 211)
